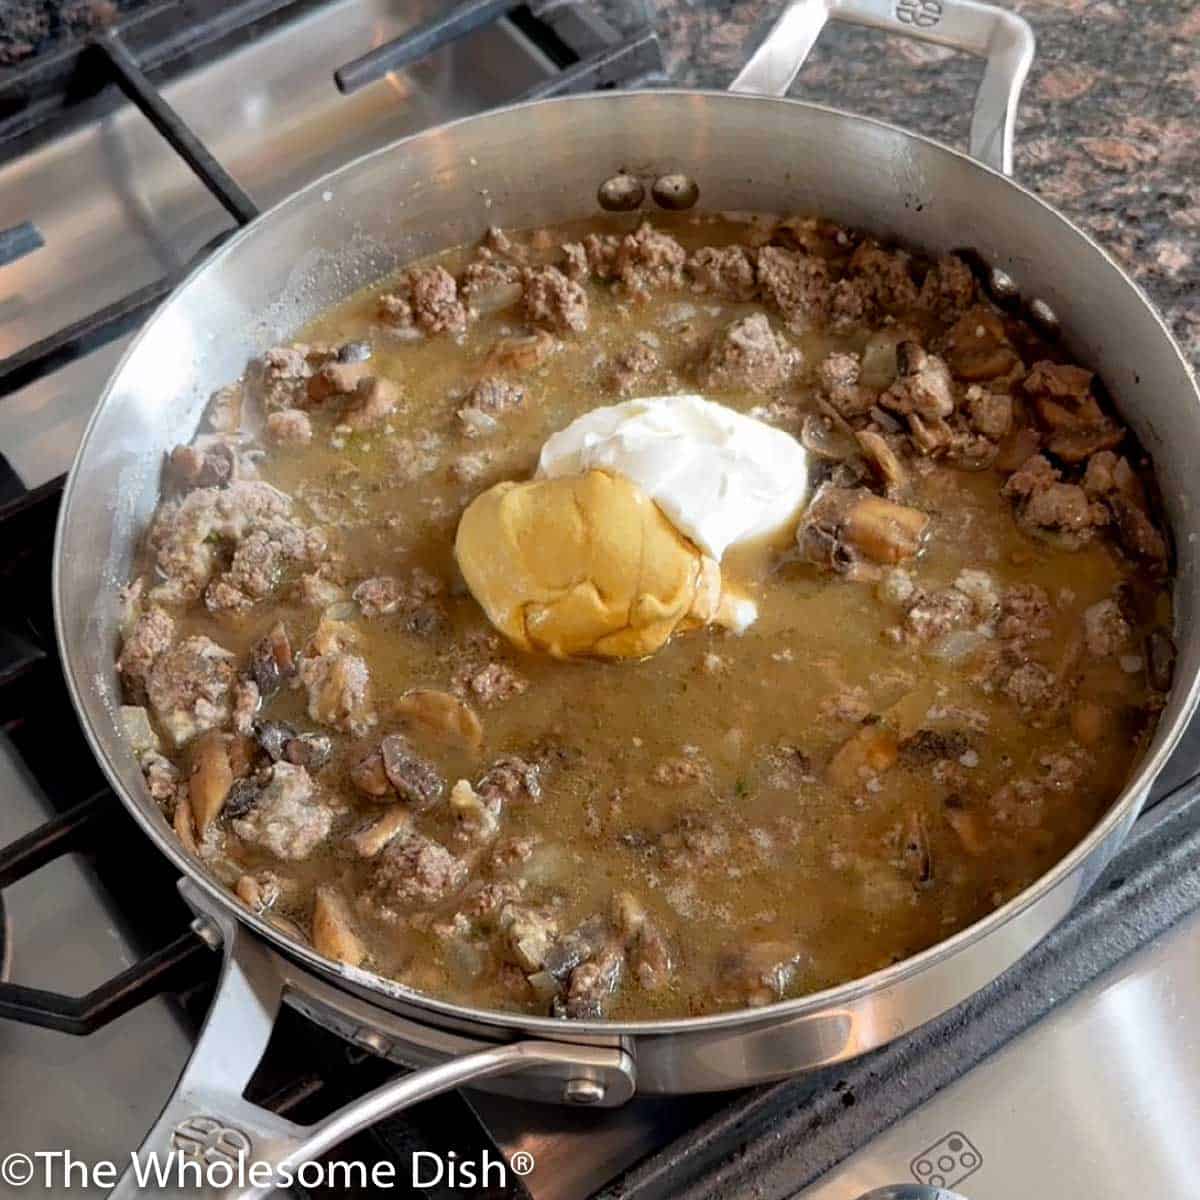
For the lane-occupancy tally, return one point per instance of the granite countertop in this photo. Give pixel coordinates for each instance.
(1108, 130)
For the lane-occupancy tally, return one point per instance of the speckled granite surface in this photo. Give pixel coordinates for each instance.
(1109, 128)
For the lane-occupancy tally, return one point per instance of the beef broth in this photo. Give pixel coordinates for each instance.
(947, 685)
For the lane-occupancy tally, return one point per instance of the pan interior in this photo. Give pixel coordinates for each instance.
(543, 163)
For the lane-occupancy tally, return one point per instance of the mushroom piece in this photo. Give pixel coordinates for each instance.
(332, 932)
(210, 779)
(259, 891)
(183, 825)
(869, 752)
(371, 838)
(521, 353)
(843, 526)
(592, 985)
(977, 346)
(369, 776)
(884, 460)
(760, 972)
(649, 953)
(1160, 659)
(967, 825)
(271, 661)
(442, 714)
(415, 780)
(478, 819)
(283, 743)
(527, 936)
(915, 849)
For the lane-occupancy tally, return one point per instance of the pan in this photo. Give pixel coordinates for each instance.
(537, 163)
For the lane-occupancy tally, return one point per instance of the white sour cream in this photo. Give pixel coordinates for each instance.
(721, 477)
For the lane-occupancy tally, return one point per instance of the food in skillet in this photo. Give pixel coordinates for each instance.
(635, 621)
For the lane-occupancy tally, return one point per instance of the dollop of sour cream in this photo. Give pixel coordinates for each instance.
(720, 476)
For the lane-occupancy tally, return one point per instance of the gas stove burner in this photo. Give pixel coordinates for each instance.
(5, 943)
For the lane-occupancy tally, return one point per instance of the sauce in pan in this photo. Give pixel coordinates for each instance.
(959, 652)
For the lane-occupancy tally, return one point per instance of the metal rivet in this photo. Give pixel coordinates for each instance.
(1044, 317)
(621, 193)
(675, 192)
(583, 1091)
(209, 932)
(1002, 285)
(371, 1039)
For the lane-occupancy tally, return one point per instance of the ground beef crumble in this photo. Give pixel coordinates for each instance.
(727, 272)
(188, 688)
(750, 356)
(1045, 504)
(554, 302)
(425, 298)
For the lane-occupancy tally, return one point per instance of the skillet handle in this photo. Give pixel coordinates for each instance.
(212, 1142)
(1002, 38)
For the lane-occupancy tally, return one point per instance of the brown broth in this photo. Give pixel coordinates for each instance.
(800, 861)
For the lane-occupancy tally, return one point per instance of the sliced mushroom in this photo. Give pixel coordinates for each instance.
(649, 953)
(968, 826)
(249, 893)
(760, 972)
(478, 819)
(243, 796)
(332, 932)
(651, 959)
(1160, 659)
(977, 347)
(844, 526)
(185, 829)
(354, 352)
(885, 532)
(828, 436)
(371, 838)
(593, 984)
(415, 780)
(370, 778)
(443, 715)
(521, 353)
(259, 891)
(273, 737)
(211, 778)
(500, 295)
(915, 848)
(884, 460)
(585, 940)
(527, 935)
(271, 661)
(869, 752)
(309, 750)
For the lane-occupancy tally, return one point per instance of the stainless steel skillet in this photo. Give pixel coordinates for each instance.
(542, 162)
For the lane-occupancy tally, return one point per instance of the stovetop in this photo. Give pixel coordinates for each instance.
(118, 212)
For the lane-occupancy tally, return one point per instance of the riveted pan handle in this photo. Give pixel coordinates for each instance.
(210, 1141)
(1002, 38)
